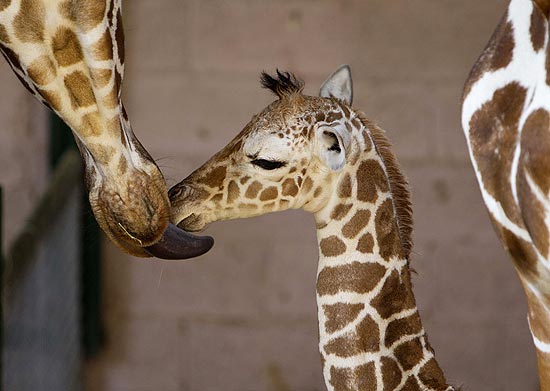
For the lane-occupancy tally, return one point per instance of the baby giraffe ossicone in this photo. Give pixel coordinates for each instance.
(322, 155)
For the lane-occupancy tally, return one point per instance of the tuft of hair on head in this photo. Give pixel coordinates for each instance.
(284, 85)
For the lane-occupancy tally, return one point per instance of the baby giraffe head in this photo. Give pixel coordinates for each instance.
(309, 152)
(287, 156)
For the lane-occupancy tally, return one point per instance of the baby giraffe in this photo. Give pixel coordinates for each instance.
(322, 155)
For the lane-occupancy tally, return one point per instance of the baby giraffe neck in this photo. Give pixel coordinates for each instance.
(370, 333)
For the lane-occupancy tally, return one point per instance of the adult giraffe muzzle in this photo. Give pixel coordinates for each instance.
(70, 55)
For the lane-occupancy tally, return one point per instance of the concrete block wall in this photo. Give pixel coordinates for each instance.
(243, 316)
(23, 152)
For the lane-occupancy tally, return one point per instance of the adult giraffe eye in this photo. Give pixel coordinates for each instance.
(268, 164)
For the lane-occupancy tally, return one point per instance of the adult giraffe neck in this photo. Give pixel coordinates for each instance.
(70, 56)
(370, 333)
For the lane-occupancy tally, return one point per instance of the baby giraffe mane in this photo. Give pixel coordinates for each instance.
(399, 186)
(284, 85)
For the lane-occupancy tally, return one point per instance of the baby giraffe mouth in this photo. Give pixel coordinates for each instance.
(192, 223)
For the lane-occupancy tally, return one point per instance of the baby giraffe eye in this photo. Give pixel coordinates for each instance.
(268, 164)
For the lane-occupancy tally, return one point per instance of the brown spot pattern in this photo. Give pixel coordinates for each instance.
(409, 353)
(92, 124)
(333, 116)
(122, 165)
(317, 192)
(411, 385)
(4, 35)
(493, 135)
(66, 47)
(366, 244)
(354, 277)
(233, 192)
(344, 188)
(395, 296)
(387, 232)
(366, 338)
(361, 378)
(491, 59)
(217, 198)
(215, 177)
(111, 99)
(102, 154)
(391, 374)
(398, 328)
(88, 13)
(4, 4)
(321, 224)
(253, 190)
(66, 10)
(270, 193)
(537, 29)
(101, 77)
(29, 22)
(79, 89)
(504, 48)
(341, 314)
(356, 224)
(522, 253)
(270, 206)
(370, 178)
(366, 377)
(289, 187)
(432, 375)
(535, 162)
(308, 184)
(536, 148)
(332, 246)
(544, 5)
(42, 70)
(340, 211)
(103, 49)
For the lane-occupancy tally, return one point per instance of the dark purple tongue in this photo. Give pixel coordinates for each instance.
(178, 244)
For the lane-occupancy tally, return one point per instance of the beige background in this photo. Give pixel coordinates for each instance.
(243, 316)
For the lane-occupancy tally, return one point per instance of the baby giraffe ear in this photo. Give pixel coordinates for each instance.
(332, 142)
(339, 85)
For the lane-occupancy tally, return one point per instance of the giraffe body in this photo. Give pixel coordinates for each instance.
(70, 55)
(319, 154)
(506, 119)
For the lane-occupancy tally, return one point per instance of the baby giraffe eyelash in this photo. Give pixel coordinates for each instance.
(268, 164)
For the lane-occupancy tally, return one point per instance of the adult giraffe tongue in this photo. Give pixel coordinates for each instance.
(175, 243)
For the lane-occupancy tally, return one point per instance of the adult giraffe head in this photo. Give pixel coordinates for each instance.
(322, 155)
(70, 55)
